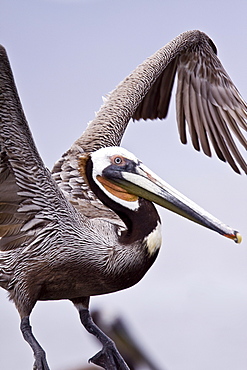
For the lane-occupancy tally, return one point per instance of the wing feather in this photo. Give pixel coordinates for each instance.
(180, 114)
(188, 114)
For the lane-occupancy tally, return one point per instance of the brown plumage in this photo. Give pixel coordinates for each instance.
(70, 234)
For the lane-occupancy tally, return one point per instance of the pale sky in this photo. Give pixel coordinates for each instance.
(190, 310)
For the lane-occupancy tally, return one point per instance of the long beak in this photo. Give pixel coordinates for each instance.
(144, 183)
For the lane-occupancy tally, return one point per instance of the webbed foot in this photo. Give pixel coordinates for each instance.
(109, 358)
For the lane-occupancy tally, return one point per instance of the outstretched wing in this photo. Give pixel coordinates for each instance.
(30, 200)
(207, 102)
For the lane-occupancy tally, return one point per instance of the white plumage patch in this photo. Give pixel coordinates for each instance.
(154, 240)
(101, 159)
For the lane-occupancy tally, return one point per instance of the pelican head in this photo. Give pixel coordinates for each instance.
(125, 180)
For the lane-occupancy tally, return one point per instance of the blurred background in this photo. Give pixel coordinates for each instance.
(190, 310)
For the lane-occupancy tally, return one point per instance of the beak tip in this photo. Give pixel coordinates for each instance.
(235, 236)
(238, 237)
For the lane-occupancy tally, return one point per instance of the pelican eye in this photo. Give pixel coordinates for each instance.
(118, 160)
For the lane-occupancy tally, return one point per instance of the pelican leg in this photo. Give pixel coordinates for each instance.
(39, 354)
(109, 358)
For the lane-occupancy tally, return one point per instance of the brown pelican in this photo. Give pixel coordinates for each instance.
(90, 226)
